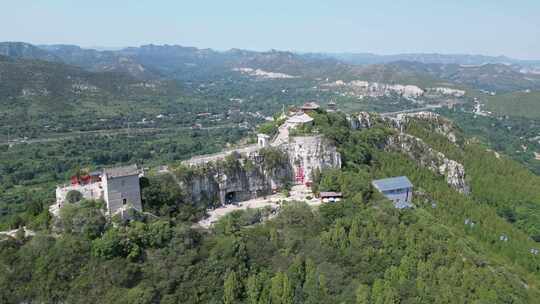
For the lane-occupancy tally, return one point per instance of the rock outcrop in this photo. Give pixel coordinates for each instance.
(415, 147)
(239, 177)
(363, 120)
(310, 153)
(438, 123)
(435, 161)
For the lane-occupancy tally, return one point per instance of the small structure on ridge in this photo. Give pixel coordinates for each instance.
(298, 120)
(310, 106)
(397, 189)
(118, 187)
(330, 197)
(262, 140)
(332, 106)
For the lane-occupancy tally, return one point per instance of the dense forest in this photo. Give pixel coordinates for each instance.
(30, 172)
(361, 250)
(67, 110)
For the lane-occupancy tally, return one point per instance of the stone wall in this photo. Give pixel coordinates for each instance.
(439, 124)
(91, 191)
(311, 153)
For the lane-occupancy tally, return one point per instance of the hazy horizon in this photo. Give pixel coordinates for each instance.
(384, 28)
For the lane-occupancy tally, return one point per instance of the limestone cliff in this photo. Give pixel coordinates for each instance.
(437, 123)
(310, 153)
(435, 161)
(240, 177)
(363, 120)
(416, 148)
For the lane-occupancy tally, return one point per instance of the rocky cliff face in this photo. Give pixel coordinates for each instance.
(438, 123)
(310, 153)
(240, 177)
(435, 161)
(415, 147)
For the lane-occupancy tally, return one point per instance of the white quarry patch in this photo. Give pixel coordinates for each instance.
(477, 110)
(80, 87)
(447, 91)
(30, 92)
(361, 89)
(298, 193)
(148, 85)
(263, 74)
(13, 233)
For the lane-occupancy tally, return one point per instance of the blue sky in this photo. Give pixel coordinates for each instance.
(496, 27)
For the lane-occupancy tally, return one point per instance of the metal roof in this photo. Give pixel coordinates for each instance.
(392, 183)
(121, 171)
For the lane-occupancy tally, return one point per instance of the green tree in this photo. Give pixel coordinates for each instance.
(231, 289)
(362, 294)
(74, 196)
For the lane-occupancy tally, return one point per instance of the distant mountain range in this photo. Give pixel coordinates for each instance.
(189, 64)
(172, 61)
(461, 59)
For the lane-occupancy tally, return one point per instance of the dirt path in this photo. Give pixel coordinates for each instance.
(298, 193)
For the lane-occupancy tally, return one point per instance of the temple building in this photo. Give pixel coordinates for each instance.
(310, 106)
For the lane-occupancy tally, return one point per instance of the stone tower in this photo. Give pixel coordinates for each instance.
(121, 187)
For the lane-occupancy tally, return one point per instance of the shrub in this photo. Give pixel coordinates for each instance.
(74, 196)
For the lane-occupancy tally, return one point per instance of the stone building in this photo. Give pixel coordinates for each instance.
(118, 187)
(121, 187)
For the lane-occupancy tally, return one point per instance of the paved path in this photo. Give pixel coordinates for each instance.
(282, 135)
(203, 159)
(297, 193)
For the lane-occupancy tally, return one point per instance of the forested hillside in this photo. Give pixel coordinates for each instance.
(361, 250)
(67, 110)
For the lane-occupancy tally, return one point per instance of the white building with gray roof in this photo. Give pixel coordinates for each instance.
(397, 189)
